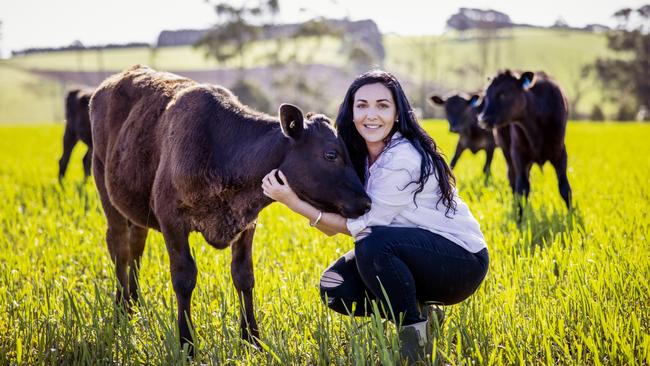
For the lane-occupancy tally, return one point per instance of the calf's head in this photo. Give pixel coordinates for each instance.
(505, 99)
(317, 164)
(461, 112)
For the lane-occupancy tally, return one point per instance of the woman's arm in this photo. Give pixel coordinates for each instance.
(330, 223)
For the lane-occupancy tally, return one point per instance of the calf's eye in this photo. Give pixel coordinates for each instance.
(330, 155)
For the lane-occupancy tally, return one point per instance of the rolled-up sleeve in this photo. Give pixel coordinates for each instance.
(391, 191)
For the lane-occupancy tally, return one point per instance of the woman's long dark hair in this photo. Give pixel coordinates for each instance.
(407, 124)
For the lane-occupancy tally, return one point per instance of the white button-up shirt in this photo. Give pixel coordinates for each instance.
(387, 185)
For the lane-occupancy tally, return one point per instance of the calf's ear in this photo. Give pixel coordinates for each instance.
(527, 80)
(291, 120)
(474, 101)
(434, 99)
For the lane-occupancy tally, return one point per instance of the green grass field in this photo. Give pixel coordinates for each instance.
(563, 288)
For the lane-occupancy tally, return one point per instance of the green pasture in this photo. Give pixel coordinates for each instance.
(560, 53)
(179, 58)
(440, 60)
(563, 288)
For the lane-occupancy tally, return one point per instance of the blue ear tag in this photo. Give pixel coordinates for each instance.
(474, 103)
(526, 83)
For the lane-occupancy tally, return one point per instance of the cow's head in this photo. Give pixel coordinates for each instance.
(317, 164)
(461, 112)
(505, 99)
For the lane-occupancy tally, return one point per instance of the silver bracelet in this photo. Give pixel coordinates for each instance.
(320, 215)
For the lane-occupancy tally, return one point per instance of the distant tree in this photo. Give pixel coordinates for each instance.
(295, 85)
(577, 86)
(422, 65)
(625, 113)
(237, 28)
(560, 23)
(468, 18)
(597, 114)
(485, 26)
(626, 79)
(79, 48)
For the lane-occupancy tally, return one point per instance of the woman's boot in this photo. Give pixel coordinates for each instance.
(413, 341)
(436, 317)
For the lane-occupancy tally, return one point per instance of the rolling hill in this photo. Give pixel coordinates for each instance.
(445, 63)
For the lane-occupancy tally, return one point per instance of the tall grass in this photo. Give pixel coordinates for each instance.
(563, 288)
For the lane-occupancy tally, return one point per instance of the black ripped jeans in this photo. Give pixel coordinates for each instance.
(412, 265)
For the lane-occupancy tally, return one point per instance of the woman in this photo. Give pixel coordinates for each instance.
(418, 243)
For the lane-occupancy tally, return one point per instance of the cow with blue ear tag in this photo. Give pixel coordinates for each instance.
(528, 114)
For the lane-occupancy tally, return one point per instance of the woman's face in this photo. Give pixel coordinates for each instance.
(374, 112)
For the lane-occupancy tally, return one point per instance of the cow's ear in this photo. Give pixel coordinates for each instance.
(291, 120)
(527, 80)
(435, 99)
(474, 101)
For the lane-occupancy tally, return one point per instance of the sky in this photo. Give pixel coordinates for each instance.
(48, 23)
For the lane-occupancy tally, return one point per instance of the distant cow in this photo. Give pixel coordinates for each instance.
(462, 114)
(178, 156)
(528, 113)
(77, 127)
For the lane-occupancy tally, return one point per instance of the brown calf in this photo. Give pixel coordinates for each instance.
(178, 156)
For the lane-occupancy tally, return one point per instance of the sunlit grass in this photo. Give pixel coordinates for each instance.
(563, 288)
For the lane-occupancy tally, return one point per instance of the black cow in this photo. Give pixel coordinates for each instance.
(462, 114)
(528, 114)
(77, 127)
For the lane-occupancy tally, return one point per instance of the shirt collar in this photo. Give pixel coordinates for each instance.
(394, 140)
(397, 136)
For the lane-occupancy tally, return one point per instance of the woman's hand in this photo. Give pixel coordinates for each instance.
(280, 192)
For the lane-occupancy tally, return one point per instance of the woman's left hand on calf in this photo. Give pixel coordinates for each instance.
(280, 192)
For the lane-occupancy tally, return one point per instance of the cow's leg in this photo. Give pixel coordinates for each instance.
(502, 138)
(69, 140)
(117, 236)
(560, 166)
(137, 239)
(489, 154)
(522, 167)
(183, 273)
(87, 162)
(460, 147)
(241, 269)
(510, 167)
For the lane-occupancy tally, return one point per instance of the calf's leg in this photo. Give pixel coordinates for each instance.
(489, 154)
(560, 165)
(241, 270)
(87, 160)
(69, 140)
(137, 239)
(522, 167)
(117, 237)
(502, 139)
(460, 147)
(183, 273)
